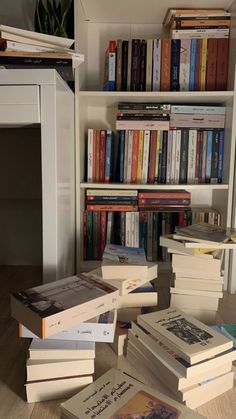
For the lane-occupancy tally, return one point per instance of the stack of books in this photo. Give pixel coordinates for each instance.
(63, 362)
(118, 395)
(27, 49)
(190, 358)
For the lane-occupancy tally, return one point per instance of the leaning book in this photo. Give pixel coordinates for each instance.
(51, 308)
(116, 395)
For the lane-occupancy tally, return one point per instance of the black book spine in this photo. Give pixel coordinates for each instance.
(214, 158)
(164, 156)
(36, 61)
(124, 69)
(183, 156)
(143, 48)
(175, 62)
(135, 65)
(123, 106)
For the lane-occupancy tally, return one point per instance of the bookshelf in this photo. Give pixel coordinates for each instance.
(96, 23)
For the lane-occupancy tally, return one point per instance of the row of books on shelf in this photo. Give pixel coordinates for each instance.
(137, 229)
(153, 156)
(168, 64)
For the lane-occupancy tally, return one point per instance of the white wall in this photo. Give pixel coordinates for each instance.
(18, 13)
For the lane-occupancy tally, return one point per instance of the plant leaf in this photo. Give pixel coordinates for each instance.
(40, 13)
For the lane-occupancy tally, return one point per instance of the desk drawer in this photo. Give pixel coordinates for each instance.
(19, 104)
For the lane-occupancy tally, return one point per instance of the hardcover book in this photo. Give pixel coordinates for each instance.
(117, 395)
(51, 308)
(188, 337)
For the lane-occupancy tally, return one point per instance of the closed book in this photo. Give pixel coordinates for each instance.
(191, 263)
(184, 72)
(111, 194)
(203, 60)
(164, 156)
(199, 33)
(90, 156)
(200, 293)
(163, 202)
(112, 207)
(197, 121)
(140, 156)
(52, 308)
(61, 349)
(134, 164)
(180, 194)
(211, 64)
(175, 65)
(214, 157)
(192, 63)
(135, 65)
(193, 302)
(109, 156)
(192, 151)
(110, 67)
(198, 109)
(152, 157)
(138, 299)
(118, 64)
(159, 124)
(146, 147)
(136, 394)
(156, 75)
(197, 65)
(149, 61)
(144, 106)
(165, 64)
(184, 156)
(102, 156)
(222, 64)
(124, 66)
(209, 156)
(143, 50)
(220, 157)
(46, 369)
(198, 284)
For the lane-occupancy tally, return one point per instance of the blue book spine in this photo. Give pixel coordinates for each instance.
(192, 64)
(108, 164)
(220, 157)
(209, 155)
(121, 155)
(175, 62)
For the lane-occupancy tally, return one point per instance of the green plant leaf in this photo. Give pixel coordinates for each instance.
(65, 10)
(54, 21)
(40, 13)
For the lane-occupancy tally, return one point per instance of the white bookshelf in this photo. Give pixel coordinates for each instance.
(97, 22)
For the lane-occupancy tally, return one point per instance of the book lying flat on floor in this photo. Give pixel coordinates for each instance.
(124, 263)
(188, 337)
(99, 329)
(117, 395)
(61, 349)
(51, 308)
(38, 369)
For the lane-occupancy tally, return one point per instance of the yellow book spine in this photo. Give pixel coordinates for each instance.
(157, 154)
(203, 65)
(203, 251)
(140, 156)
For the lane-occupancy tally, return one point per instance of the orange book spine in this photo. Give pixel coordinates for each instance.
(124, 208)
(165, 64)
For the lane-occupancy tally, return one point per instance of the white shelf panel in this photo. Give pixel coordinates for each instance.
(100, 98)
(220, 186)
(139, 11)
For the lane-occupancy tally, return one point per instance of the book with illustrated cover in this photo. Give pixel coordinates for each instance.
(119, 396)
(51, 308)
(188, 337)
(206, 233)
(124, 262)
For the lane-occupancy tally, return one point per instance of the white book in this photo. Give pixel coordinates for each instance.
(204, 316)
(138, 299)
(201, 293)
(145, 156)
(156, 76)
(149, 52)
(109, 192)
(198, 109)
(90, 156)
(99, 329)
(129, 158)
(191, 264)
(62, 388)
(198, 284)
(110, 217)
(128, 228)
(124, 262)
(180, 301)
(132, 229)
(177, 156)
(169, 157)
(192, 150)
(24, 47)
(61, 349)
(47, 369)
(184, 66)
(173, 157)
(198, 275)
(136, 229)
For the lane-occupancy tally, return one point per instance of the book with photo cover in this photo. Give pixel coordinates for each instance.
(120, 262)
(188, 337)
(51, 308)
(99, 329)
(117, 395)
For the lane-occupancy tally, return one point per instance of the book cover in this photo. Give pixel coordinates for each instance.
(204, 232)
(51, 308)
(117, 395)
(122, 257)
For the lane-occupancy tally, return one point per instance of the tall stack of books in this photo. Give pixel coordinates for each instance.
(58, 312)
(196, 58)
(27, 49)
(190, 358)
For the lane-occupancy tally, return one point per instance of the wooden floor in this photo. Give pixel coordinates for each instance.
(13, 353)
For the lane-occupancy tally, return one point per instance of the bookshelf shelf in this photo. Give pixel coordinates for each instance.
(209, 187)
(100, 98)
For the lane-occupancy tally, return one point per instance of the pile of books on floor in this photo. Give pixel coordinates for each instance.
(196, 58)
(20, 48)
(191, 359)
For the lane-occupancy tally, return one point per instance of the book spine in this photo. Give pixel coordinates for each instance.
(177, 156)
(214, 160)
(128, 229)
(165, 64)
(110, 83)
(203, 65)
(90, 235)
(149, 236)
(108, 164)
(209, 156)
(159, 141)
(161, 124)
(220, 157)
(94, 154)
(145, 156)
(152, 157)
(160, 150)
(126, 155)
(110, 218)
(90, 156)
(85, 237)
(183, 156)
(135, 65)
(97, 163)
(110, 198)
(140, 156)
(115, 207)
(164, 201)
(197, 165)
(129, 157)
(134, 167)
(204, 156)
(102, 157)
(124, 68)
(121, 156)
(149, 65)
(173, 157)
(143, 230)
(192, 64)
(155, 236)
(136, 229)
(164, 195)
(192, 155)
(197, 109)
(129, 65)
(211, 64)
(200, 33)
(156, 77)
(197, 65)
(222, 64)
(184, 73)
(122, 228)
(164, 156)
(143, 66)
(169, 157)
(175, 65)
(96, 236)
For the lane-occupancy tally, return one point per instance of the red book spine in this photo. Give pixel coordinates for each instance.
(103, 231)
(211, 64)
(134, 166)
(94, 154)
(164, 195)
(222, 63)
(85, 237)
(197, 65)
(165, 64)
(164, 202)
(125, 208)
(182, 221)
(152, 161)
(102, 156)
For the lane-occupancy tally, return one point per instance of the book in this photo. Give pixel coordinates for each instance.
(99, 329)
(137, 299)
(203, 233)
(121, 337)
(42, 369)
(191, 264)
(124, 263)
(188, 337)
(51, 308)
(179, 245)
(61, 349)
(124, 396)
(59, 388)
(180, 301)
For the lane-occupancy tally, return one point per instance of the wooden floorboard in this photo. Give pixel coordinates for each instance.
(13, 353)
